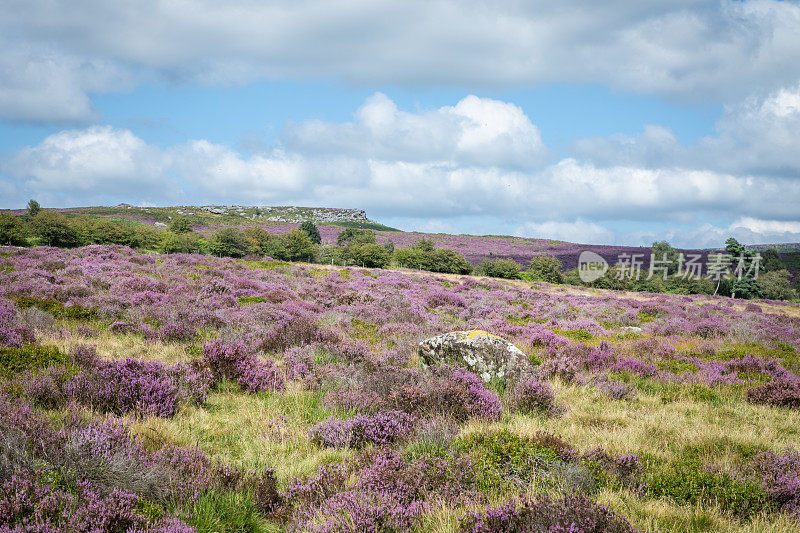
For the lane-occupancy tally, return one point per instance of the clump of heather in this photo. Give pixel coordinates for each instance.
(571, 513)
(32, 501)
(357, 511)
(384, 428)
(618, 390)
(780, 476)
(532, 396)
(11, 334)
(142, 387)
(444, 390)
(233, 361)
(177, 331)
(781, 393)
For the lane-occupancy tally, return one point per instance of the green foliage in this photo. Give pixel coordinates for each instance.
(30, 357)
(252, 300)
(33, 208)
(13, 230)
(774, 285)
(544, 268)
(746, 287)
(311, 230)
(58, 309)
(425, 245)
(297, 246)
(690, 481)
(180, 225)
(186, 243)
(225, 512)
(576, 334)
(499, 268)
(375, 226)
(663, 251)
(229, 242)
(355, 236)
(771, 261)
(370, 255)
(54, 229)
(258, 239)
(423, 256)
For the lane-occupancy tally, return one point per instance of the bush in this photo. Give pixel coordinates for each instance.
(572, 512)
(54, 229)
(499, 268)
(233, 361)
(13, 230)
(779, 393)
(30, 357)
(370, 255)
(775, 285)
(311, 230)
(172, 243)
(690, 481)
(546, 269)
(298, 246)
(180, 225)
(229, 242)
(384, 428)
(532, 396)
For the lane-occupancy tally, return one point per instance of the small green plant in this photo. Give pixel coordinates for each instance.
(16, 360)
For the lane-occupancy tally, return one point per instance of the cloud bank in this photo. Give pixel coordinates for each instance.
(479, 158)
(55, 54)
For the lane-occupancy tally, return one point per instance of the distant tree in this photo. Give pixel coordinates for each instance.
(180, 225)
(311, 230)
(54, 229)
(771, 260)
(33, 208)
(733, 247)
(545, 268)
(426, 245)
(259, 239)
(229, 242)
(411, 257)
(352, 236)
(108, 232)
(775, 285)
(184, 243)
(298, 246)
(369, 254)
(499, 268)
(447, 261)
(662, 250)
(13, 230)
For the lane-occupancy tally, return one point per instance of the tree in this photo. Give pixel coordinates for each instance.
(185, 243)
(298, 246)
(180, 225)
(33, 208)
(311, 230)
(352, 235)
(411, 257)
(369, 254)
(545, 268)
(54, 228)
(499, 268)
(13, 230)
(259, 239)
(447, 261)
(775, 285)
(426, 245)
(229, 242)
(663, 251)
(771, 260)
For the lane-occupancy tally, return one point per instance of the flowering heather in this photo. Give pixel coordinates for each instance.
(176, 331)
(233, 361)
(532, 396)
(571, 513)
(387, 427)
(780, 476)
(778, 393)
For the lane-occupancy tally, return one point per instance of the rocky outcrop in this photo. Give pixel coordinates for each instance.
(487, 355)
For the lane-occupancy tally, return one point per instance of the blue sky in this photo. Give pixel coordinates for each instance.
(622, 123)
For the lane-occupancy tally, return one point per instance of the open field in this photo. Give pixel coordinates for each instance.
(180, 392)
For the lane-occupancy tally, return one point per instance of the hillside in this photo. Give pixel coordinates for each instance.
(261, 396)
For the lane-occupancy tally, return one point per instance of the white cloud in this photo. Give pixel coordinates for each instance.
(378, 164)
(684, 49)
(578, 231)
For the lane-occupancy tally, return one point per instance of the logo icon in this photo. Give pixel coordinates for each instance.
(591, 266)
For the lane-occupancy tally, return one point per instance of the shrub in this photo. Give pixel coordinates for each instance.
(13, 230)
(571, 513)
(384, 428)
(499, 268)
(54, 229)
(532, 396)
(229, 242)
(176, 331)
(545, 268)
(233, 361)
(690, 481)
(180, 225)
(30, 357)
(780, 393)
(311, 230)
(370, 255)
(297, 246)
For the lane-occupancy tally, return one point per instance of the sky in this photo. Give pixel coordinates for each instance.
(619, 122)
